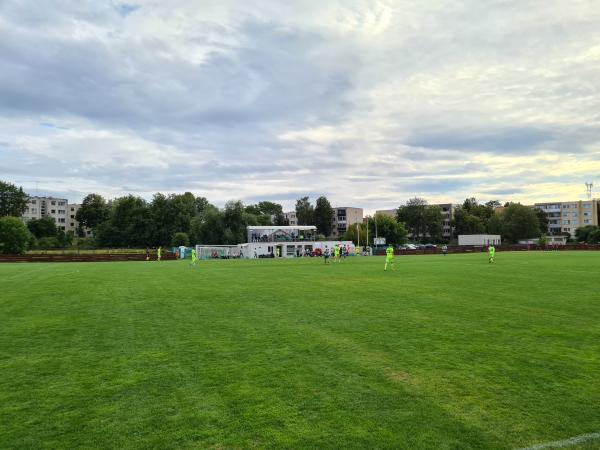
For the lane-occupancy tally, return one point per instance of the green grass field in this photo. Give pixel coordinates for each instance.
(444, 353)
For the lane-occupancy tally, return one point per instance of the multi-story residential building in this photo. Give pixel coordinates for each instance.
(39, 207)
(387, 212)
(291, 218)
(566, 217)
(447, 216)
(344, 218)
(72, 223)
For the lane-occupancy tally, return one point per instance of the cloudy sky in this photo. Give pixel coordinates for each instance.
(368, 102)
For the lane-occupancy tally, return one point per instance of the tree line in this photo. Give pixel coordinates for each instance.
(184, 219)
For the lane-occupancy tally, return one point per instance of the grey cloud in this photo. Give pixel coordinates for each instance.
(425, 97)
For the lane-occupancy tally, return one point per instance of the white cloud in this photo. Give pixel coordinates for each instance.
(368, 102)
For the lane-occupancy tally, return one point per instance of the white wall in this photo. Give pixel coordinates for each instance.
(479, 239)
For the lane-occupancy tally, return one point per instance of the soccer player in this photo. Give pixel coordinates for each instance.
(336, 252)
(158, 253)
(389, 257)
(147, 254)
(445, 250)
(491, 253)
(194, 257)
(326, 255)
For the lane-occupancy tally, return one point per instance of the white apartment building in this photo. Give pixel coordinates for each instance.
(39, 207)
(344, 218)
(72, 223)
(566, 217)
(291, 218)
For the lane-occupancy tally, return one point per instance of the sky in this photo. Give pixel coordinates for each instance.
(369, 103)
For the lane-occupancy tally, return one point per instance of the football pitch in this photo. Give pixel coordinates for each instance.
(443, 353)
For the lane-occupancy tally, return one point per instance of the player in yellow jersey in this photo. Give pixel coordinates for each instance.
(491, 253)
(389, 257)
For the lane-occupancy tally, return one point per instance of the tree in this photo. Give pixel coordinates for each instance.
(180, 238)
(493, 204)
(305, 212)
(280, 220)
(413, 215)
(433, 223)
(352, 234)
(128, 224)
(466, 223)
(14, 236)
(582, 234)
(542, 219)
(519, 222)
(324, 216)
(160, 227)
(207, 227)
(44, 227)
(13, 201)
(266, 213)
(234, 222)
(182, 208)
(394, 233)
(594, 236)
(201, 204)
(471, 217)
(63, 239)
(93, 211)
(494, 225)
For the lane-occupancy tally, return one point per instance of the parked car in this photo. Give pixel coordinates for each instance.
(431, 246)
(410, 247)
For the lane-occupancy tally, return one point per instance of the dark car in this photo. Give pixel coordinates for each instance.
(430, 246)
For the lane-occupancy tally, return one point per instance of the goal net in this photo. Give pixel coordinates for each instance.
(217, 251)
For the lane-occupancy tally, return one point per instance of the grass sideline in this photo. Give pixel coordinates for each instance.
(445, 353)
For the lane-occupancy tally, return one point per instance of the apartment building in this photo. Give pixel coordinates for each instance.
(566, 217)
(291, 218)
(72, 223)
(39, 207)
(344, 218)
(447, 216)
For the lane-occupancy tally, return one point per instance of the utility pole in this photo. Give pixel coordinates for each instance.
(588, 188)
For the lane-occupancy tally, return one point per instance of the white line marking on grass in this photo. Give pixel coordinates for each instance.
(565, 443)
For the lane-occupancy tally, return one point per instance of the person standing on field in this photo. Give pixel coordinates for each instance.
(491, 253)
(326, 255)
(158, 253)
(194, 257)
(389, 257)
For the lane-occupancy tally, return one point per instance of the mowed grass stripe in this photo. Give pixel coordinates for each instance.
(446, 352)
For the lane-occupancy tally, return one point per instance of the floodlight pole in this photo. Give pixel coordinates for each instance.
(367, 231)
(358, 234)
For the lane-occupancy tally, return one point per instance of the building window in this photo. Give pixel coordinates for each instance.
(53, 211)
(72, 224)
(61, 203)
(53, 203)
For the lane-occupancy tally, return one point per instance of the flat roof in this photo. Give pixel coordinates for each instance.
(282, 227)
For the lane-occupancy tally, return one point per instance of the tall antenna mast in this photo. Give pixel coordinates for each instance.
(588, 187)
